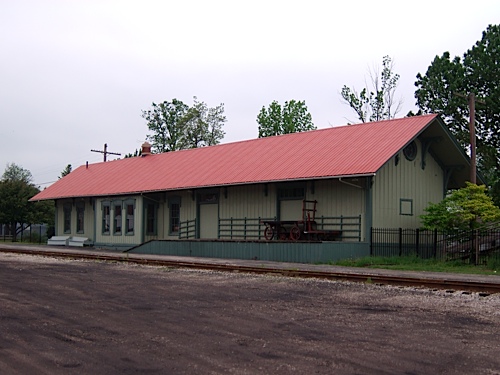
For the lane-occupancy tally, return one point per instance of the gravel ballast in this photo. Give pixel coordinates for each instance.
(61, 316)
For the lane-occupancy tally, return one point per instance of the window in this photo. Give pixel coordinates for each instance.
(208, 198)
(117, 213)
(406, 207)
(80, 217)
(129, 219)
(106, 217)
(174, 214)
(410, 151)
(291, 193)
(67, 217)
(151, 219)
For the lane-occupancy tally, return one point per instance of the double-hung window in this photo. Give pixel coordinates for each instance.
(117, 215)
(106, 217)
(129, 217)
(174, 204)
(80, 217)
(151, 219)
(67, 217)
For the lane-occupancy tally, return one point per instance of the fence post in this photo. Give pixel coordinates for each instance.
(417, 241)
(476, 245)
(259, 226)
(359, 228)
(371, 241)
(245, 228)
(400, 241)
(434, 243)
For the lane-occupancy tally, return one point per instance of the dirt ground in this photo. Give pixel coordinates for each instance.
(79, 317)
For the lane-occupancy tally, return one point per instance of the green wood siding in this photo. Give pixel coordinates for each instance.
(122, 239)
(88, 220)
(300, 252)
(247, 201)
(398, 184)
(187, 211)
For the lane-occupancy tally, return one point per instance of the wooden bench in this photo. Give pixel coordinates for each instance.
(58, 241)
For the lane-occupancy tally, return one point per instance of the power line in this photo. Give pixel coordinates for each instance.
(106, 152)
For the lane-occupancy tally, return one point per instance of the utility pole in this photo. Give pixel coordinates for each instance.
(471, 99)
(106, 152)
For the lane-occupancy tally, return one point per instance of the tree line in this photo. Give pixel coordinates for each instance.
(16, 188)
(174, 125)
(440, 90)
(443, 89)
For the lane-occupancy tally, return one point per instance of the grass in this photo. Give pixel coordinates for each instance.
(25, 241)
(413, 263)
(404, 263)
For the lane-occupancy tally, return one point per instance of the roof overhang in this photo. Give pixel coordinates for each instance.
(142, 192)
(438, 142)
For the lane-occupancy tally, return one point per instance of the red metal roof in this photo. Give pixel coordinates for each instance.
(351, 150)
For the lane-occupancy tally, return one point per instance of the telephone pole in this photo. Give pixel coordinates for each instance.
(106, 152)
(471, 100)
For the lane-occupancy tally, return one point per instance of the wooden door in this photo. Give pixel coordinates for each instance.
(209, 220)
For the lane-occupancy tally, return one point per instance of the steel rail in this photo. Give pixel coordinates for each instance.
(484, 288)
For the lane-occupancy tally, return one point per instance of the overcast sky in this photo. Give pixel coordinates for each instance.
(76, 74)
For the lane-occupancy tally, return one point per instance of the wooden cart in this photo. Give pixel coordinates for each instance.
(303, 229)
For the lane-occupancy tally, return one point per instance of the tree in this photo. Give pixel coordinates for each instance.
(443, 87)
(14, 172)
(202, 126)
(463, 209)
(378, 102)
(164, 120)
(177, 126)
(292, 118)
(66, 171)
(16, 189)
(134, 155)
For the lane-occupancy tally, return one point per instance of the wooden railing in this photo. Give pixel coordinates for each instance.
(187, 229)
(252, 228)
(242, 228)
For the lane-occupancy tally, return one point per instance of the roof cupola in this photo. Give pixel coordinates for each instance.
(146, 149)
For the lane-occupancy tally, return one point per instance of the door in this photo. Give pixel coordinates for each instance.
(209, 220)
(291, 210)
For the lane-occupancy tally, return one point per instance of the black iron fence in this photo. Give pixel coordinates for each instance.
(472, 246)
(32, 233)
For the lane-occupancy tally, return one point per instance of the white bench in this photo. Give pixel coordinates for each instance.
(58, 241)
(79, 241)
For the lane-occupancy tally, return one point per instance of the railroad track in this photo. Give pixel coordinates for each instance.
(484, 288)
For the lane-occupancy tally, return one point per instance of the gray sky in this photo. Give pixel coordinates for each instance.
(76, 74)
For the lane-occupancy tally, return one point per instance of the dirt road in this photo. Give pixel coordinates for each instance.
(75, 317)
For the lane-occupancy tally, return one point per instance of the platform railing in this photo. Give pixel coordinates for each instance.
(187, 229)
(253, 228)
